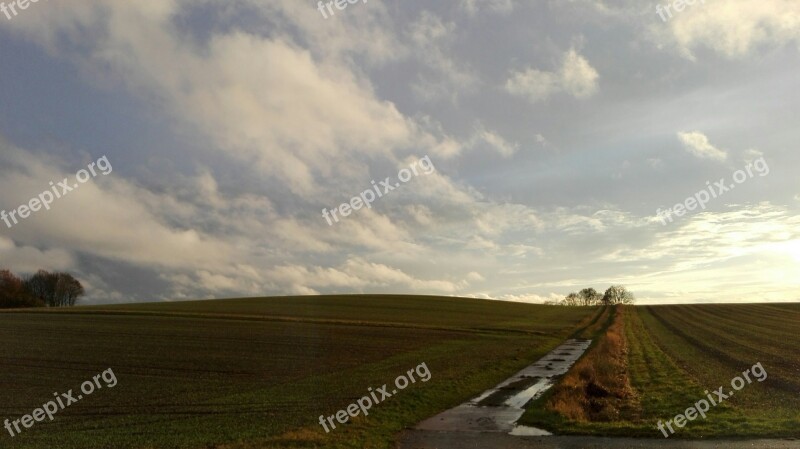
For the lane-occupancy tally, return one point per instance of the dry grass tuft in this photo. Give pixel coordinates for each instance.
(597, 388)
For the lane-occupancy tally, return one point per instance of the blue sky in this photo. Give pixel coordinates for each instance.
(557, 129)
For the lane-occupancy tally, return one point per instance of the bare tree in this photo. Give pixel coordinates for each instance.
(54, 289)
(42, 285)
(37, 285)
(572, 300)
(618, 294)
(68, 290)
(589, 297)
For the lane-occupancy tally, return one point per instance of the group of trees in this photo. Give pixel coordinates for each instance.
(616, 294)
(43, 289)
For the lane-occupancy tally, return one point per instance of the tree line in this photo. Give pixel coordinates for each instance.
(42, 289)
(616, 294)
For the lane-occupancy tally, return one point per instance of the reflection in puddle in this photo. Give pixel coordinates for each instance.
(520, 399)
(525, 431)
(498, 409)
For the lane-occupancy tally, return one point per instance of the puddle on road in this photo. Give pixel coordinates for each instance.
(534, 391)
(505, 395)
(525, 431)
(498, 409)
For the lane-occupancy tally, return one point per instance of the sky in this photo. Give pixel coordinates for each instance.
(547, 138)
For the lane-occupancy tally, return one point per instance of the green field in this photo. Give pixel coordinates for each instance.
(712, 344)
(249, 373)
(676, 353)
(257, 373)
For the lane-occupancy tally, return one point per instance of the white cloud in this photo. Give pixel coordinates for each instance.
(123, 226)
(576, 77)
(363, 33)
(752, 154)
(433, 39)
(733, 28)
(530, 298)
(534, 84)
(434, 137)
(542, 140)
(494, 141)
(292, 121)
(28, 259)
(474, 276)
(698, 144)
(497, 142)
(355, 274)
